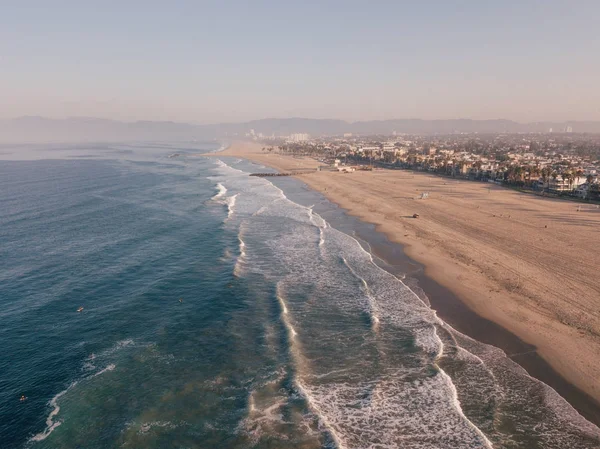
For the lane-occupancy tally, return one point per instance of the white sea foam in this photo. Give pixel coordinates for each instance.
(458, 407)
(323, 416)
(108, 368)
(222, 164)
(371, 306)
(146, 427)
(242, 248)
(222, 190)
(231, 205)
(116, 347)
(50, 423)
(240, 260)
(284, 312)
(284, 309)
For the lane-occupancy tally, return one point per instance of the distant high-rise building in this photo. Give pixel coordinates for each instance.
(299, 137)
(569, 129)
(550, 130)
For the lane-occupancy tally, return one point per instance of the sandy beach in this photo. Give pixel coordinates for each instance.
(527, 263)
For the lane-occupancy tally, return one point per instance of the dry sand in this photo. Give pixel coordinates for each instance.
(528, 263)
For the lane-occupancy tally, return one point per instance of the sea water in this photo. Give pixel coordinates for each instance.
(224, 311)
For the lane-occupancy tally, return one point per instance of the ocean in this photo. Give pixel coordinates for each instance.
(227, 311)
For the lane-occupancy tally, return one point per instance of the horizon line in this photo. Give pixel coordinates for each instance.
(83, 117)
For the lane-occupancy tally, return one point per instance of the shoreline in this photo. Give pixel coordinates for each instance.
(457, 314)
(451, 299)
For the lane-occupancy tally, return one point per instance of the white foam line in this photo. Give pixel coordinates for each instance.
(458, 407)
(441, 347)
(110, 367)
(242, 250)
(222, 190)
(311, 404)
(479, 360)
(231, 205)
(438, 320)
(284, 312)
(311, 217)
(293, 343)
(284, 309)
(283, 196)
(50, 423)
(225, 165)
(242, 247)
(370, 298)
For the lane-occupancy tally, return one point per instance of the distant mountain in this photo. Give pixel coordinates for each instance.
(81, 129)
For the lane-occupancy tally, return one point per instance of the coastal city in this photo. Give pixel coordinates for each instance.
(300, 225)
(556, 164)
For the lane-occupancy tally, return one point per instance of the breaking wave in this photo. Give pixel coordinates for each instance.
(222, 190)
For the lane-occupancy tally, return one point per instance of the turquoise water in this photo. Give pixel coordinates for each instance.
(221, 310)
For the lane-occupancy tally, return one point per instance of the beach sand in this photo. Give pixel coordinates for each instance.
(529, 264)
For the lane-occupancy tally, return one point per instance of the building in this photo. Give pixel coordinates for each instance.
(299, 137)
(561, 184)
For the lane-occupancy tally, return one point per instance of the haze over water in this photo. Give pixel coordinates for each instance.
(223, 311)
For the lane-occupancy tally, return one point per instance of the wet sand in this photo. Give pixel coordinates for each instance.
(480, 268)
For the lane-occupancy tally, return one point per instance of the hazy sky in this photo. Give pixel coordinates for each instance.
(210, 61)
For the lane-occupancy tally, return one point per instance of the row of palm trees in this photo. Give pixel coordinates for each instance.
(529, 174)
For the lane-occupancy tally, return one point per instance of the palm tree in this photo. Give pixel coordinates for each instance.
(519, 173)
(545, 176)
(571, 178)
(564, 176)
(510, 174)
